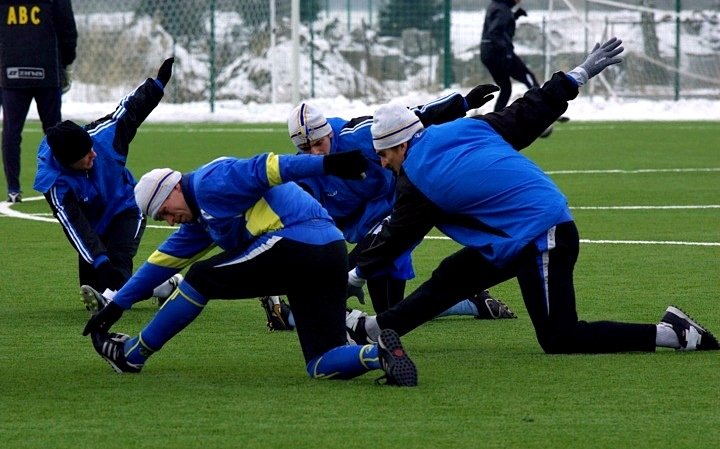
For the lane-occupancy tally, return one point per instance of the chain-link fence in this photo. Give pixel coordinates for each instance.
(374, 50)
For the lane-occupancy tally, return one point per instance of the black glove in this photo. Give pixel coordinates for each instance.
(103, 320)
(348, 164)
(519, 13)
(356, 292)
(110, 276)
(165, 71)
(480, 95)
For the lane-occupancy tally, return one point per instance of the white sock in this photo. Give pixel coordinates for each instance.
(163, 290)
(109, 294)
(372, 328)
(666, 337)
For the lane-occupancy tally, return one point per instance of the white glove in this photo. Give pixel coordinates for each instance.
(355, 286)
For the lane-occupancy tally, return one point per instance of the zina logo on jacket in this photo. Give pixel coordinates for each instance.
(26, 73)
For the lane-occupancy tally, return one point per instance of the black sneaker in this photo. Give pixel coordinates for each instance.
(490, 308)
(118, 337)
(399, 369)
(14, 197)
(692, 336)
(92, 299)
(111, 347)
(277, 312)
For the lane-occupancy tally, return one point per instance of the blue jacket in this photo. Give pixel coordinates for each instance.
(238, 205)
(467, 179)
(358, 206)
(85, 202)
(493, 198)
(355, 205)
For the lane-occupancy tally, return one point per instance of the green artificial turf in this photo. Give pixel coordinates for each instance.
(226, 382)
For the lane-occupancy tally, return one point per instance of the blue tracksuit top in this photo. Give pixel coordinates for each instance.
(242, 199)
(240, 204)
(497, 200)
(355, 205)
(107, 188)
(104, 191)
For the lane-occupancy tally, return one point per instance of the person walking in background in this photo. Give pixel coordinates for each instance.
(82, 172)
(497, 51)
(37, 43)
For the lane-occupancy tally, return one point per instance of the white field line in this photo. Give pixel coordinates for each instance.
(200, 129)
(616, 242)
(7, 211)
(698, 206)
(631, 172)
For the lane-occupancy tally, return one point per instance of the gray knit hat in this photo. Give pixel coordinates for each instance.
(153, 189)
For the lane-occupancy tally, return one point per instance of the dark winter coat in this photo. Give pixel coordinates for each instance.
(37, 40)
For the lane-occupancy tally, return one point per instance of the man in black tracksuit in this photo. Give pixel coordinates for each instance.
(37, 43)
(497, 52)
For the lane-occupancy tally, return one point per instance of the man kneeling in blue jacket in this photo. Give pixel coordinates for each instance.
(276, 239)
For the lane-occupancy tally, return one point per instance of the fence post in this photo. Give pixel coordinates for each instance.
(347, 9)
(312, 50)
(212, 56)
(678, 8)
(370, 13)
(273, 53)
(447, 69)
(295, 27)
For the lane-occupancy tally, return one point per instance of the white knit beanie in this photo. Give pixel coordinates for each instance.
(392, 125)
(153, 189)
(306, 123)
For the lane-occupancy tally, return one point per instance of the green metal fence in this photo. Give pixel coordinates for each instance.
(373, 50)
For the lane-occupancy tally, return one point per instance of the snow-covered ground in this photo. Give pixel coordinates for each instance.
(582, 108)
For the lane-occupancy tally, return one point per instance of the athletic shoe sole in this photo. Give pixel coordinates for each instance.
(398, 367)
(92, 300)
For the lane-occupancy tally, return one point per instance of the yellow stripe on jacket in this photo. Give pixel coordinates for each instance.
(272, 168)
(261, 218)
(166, 260)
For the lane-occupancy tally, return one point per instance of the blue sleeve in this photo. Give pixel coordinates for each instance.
(279, 169)
(181, 249)
(142, 283)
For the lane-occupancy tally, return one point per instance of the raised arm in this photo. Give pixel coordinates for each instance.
(135, 107)
(527, 117)
(450, 107)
